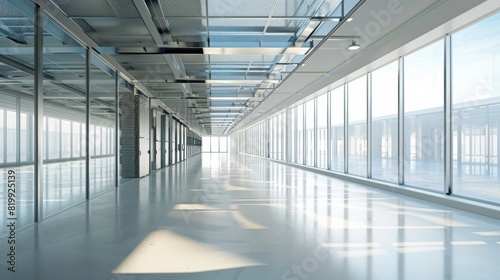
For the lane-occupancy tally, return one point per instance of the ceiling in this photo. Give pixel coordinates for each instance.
(218, 65)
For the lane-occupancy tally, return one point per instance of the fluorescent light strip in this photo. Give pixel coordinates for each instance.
(241, 81)
(229, 98)
(256, 50)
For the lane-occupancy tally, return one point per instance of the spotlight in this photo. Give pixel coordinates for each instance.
(353, 46)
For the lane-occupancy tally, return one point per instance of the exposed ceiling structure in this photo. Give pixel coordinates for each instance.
(217, 64)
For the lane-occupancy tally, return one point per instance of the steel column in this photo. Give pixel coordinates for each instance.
(87, 123)
(117, 131)
(38, 116)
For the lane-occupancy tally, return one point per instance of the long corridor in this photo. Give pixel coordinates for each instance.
(220, 217)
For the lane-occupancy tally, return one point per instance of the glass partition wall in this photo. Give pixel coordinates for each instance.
(16, 114)
(76, 118)
(64, 118)
(103, 123)
(409, 93)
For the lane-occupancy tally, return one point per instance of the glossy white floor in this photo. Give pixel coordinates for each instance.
(214, 218)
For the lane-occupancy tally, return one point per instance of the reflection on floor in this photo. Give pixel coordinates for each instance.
(212, 217)
(64, 186)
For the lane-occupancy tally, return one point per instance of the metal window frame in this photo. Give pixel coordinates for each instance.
(304, 135)
(87, 123)
(288, 134)
(117, 131)
(369, 122)
(346, 128)
(284, 136)
(18, 131)
(329, 131)
(38, 115)
(315, 133)
(448, 118)
(4, 136)
(60, 138)
(401, 111)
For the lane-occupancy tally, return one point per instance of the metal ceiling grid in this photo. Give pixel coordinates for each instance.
(98, 8)
(191, 50)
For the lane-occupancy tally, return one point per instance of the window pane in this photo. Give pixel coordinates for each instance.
(214, 144)
(76, 139)
(27, 130)
(104, 141)
(300, 134)
(206, 144)
(97, 140)
(23, 142)
(92, 140)
(271, 137)
(82, 141)
(11, 136)
(424, 117)
(322, 117)
(310, 132)
(476, 110)
(53, 138)
(66, 139)
(337, 129)
(262, 140)
(223, 144)
(16, 96)
(45, 137)
(279, 136)
(385, 123)
(357, 126)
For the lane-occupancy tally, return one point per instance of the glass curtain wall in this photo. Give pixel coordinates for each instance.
(357, 105)
(475, 94)
(424, 117)
(385, 123)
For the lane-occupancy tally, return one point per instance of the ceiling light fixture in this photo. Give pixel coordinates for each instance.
(353, 46)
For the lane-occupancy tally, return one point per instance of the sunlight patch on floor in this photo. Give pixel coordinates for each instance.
(164, 251)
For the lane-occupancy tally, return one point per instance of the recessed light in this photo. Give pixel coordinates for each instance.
(349, 19)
